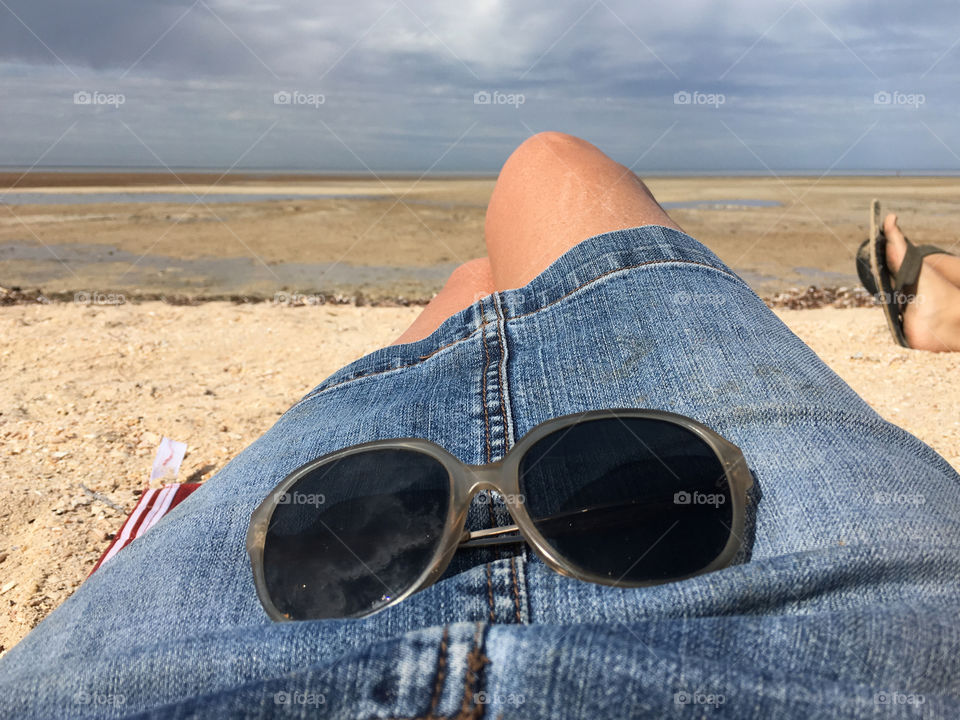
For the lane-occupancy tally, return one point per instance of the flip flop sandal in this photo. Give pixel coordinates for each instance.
(881, 282)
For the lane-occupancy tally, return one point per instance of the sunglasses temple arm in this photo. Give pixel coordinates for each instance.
(491, 536)
(599, 516)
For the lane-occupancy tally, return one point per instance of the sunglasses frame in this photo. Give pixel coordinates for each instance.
(503, 477)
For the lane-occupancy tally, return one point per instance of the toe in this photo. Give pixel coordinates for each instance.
(896, 243)
(890, 226)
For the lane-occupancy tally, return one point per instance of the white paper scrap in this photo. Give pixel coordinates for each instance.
(166, 464)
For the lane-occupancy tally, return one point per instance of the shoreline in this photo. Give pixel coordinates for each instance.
(394, 241)
(134, 180)
(809, 298)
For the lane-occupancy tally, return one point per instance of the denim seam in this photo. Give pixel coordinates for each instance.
(422, 358)
(486, 415)
(493, 617)
(516, 590)
(501, 373)
(476, 661)
(441, 672)
(472, 680)
(483, 386)
(623, 269)
(493, 521)
(419, 360)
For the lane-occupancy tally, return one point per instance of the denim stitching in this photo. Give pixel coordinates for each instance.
(516, 590)
(493, 521)
(515, 317)
(493, 617)
(486, 416)
(483, 389)
(629, 267)
(441, 672)
(473, 678)
(444, 347)
(502, 343)
(476, 660)
(420, 359)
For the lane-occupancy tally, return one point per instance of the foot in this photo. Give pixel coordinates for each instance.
(931, 320)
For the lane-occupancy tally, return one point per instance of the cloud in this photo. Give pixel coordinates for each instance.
(398, 78)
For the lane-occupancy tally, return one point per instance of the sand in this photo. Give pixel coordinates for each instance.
(89, 391)
(342, 245)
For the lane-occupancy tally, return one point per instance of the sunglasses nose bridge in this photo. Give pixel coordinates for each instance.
(483, 477)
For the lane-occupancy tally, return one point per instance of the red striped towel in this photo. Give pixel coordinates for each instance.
(153, 505)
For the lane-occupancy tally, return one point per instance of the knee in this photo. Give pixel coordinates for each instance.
(554, 140)
(548, 147)
(476, 274)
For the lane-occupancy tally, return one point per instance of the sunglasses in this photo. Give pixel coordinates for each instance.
(620, 497)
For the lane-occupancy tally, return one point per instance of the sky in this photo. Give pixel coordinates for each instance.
(439, 86)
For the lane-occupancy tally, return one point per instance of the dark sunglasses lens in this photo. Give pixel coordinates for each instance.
(631, 499)
(354, 533)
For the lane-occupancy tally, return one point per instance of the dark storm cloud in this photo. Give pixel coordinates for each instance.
(798, 80)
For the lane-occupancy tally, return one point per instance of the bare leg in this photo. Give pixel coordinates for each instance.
(554, 191)
(946, 265)
(466, 284)
(932, 320)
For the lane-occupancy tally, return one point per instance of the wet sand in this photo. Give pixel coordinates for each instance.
(401, 237)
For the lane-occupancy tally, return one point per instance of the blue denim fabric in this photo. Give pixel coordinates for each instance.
(844, 604)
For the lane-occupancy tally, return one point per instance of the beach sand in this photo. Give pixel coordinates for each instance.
(401, 237)
(89, 391)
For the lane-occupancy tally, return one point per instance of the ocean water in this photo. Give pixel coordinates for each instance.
(91, 198)
(105, 268)
(719, 204)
